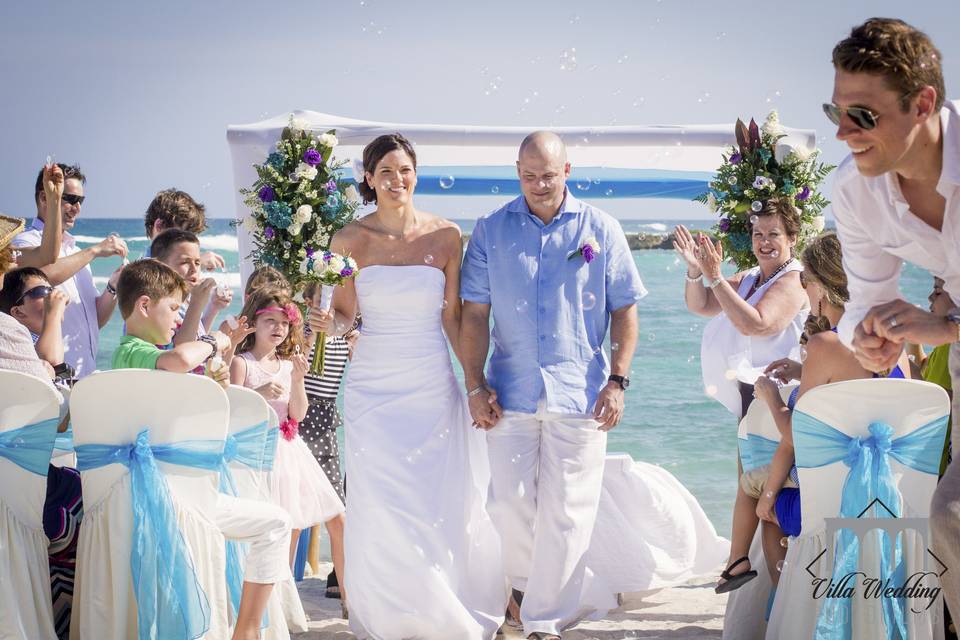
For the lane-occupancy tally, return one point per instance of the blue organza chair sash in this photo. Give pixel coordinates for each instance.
(29, 447)
(270, 451)
(756, 451)
(817, 444)
(64, 441)
(170, 600)
(247, 447)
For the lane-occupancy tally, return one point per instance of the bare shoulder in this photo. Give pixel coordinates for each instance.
(432, 222)
(349, 237)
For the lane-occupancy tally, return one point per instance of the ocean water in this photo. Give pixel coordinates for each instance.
(668, 421)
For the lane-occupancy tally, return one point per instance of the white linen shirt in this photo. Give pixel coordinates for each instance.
(81, 327)
(878, 232)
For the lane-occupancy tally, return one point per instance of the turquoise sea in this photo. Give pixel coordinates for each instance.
(669, 420)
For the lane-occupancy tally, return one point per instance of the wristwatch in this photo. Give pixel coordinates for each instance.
(112, 290)
(623, 381)
(214, 346)
(954, 316)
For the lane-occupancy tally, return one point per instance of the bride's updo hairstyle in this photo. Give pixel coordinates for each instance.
(372, 155)
(823, 263)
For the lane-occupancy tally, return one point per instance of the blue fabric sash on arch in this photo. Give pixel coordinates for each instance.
(249, 448)
(170, 600)
(30, 446)
(817, 444)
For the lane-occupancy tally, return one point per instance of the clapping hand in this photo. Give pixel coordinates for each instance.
(709, 257)
(686, 247)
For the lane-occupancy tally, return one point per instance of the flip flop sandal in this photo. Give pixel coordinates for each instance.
(733, 582)
(509, 620)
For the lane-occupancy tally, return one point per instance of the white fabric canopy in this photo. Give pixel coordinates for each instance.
(672, 161)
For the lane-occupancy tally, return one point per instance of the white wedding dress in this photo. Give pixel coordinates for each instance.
(422, 555)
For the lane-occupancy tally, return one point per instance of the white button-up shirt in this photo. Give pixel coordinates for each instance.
(878, 232)
(81, 327)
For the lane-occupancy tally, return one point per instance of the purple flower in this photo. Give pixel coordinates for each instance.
(267, 194)
(312, 157)
(587, 253)
(724, 224)
(310, 252)
(736, 158)
(268, 233)
(332, 186)
(346, 272)
(804, 194)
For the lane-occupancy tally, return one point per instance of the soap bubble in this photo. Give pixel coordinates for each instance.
(568, 59)
(521, 305)
(691, 358)
(583, 185)
(443, 303)
(711, 390)
(754, 219)
(608, 192)
(784, 541)
(446, 182)
(730, 374)
(779, 566)
(651, 337)
(756, 205)
(614, 346)
(803, 354)
(589, 301)
(494, 189)
(232, 322)
(775, 253)
(428, 259)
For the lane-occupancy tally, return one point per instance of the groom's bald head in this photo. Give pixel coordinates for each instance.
(543, 170)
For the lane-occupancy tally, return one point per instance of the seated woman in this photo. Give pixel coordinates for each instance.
(63, 508)
(827, 361)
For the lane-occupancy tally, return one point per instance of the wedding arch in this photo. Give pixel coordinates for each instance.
(622, 161)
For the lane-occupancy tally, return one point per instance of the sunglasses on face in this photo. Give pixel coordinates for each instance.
(34, 293)
(861, 116)
(72, 198)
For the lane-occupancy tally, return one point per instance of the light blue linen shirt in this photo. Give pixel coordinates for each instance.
(550, 313)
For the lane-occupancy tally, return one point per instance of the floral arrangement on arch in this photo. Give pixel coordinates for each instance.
(298, 203)
(759, 168)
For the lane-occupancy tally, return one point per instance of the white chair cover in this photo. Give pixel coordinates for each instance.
(247, 409)
(26, 609)
(850, 407)
(112, 407)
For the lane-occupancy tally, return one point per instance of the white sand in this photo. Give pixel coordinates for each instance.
(691, 610)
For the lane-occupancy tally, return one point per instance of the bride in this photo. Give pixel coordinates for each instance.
(422, 556)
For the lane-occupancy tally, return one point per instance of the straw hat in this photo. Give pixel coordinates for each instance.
(9, 227)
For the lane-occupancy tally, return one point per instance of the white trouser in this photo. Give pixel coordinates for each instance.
(265, 527)
(546, 473)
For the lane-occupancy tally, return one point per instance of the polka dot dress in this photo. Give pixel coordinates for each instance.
(319, 428)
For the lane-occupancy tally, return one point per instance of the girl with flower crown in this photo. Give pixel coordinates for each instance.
(271, 363)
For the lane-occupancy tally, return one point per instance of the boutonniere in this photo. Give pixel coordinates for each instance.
(588, 250)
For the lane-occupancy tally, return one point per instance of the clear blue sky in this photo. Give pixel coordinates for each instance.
(140, 94)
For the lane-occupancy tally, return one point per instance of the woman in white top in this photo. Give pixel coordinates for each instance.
(757, 314)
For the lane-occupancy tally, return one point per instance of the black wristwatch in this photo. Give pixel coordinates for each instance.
(210, 340)
(623, 381)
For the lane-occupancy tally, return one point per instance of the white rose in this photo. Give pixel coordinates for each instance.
(818, 223)
(304, 267)
(328, 140)
(305, 171)
(351, 194)
(299, 124)
(336, 264)
(772, 124)
(802, 153)
(712, 202)
(304, 212)
(294, 229)
(593, 244)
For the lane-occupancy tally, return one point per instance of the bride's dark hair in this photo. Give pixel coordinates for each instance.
(373, 153)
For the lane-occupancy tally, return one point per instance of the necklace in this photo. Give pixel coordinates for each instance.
(402, 235)
(759, 283)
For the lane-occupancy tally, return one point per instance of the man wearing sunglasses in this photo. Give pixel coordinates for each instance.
(89, 310)
(896, 198)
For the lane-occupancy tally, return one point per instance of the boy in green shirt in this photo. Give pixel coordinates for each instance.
(149, 294)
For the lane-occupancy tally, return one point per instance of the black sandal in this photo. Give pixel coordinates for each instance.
(509, 620)
(733, 582)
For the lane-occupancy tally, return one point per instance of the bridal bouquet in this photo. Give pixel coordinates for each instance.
(759, 168)
(329, 270)
(298, 201)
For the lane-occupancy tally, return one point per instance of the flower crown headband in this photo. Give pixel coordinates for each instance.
(290, 310)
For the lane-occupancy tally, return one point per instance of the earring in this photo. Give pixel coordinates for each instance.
(820, 308)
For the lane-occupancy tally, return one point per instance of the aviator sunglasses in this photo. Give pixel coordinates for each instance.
(72, 198)
(861, 116)
(40, 291)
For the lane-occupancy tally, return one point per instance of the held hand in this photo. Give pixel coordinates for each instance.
(202, 291)
(322, 321)
(110, 246)
(211, 261)
(271, 390)
(300, 366)
(222, 297)
(224, 345)
(220, 374)
(55, 303)
(766, 390)
(609, 407)
(685, 247)
(53, 182)
(484, 409)
(784, 370)
(899, 321)
(709, 257)
(766, 507)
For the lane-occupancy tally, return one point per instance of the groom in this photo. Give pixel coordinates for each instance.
(897, 198)
(555, 272)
